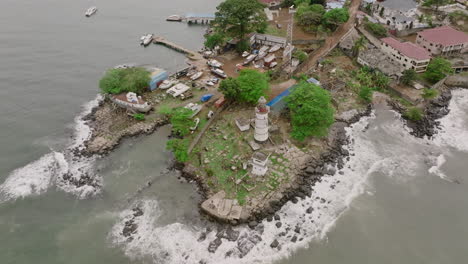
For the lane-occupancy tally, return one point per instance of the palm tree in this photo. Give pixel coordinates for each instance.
(359, 44)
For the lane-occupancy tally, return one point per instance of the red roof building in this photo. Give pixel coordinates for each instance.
(409, 55)
(443, 40)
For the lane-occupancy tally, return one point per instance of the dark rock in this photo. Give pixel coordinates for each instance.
(253, 224)
(274, 244)
(277, 217)
(294, 239)
(278, 224)
(213, 246)
(297, 229)
(269, 218)
(202, 237)
(309, 210)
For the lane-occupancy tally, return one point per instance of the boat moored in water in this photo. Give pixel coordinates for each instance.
(174, 18)
(146, 39)
(91, 11)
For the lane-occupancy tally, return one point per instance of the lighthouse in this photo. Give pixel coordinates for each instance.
(261, 120)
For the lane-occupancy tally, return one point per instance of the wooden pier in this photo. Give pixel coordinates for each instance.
(191, 54)
(199, 18)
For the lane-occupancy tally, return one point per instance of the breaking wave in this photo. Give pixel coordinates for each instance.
(378, 146)
(56, 168)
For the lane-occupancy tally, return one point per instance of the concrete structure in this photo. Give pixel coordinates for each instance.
(409, 55)
(261, 120)
(271, 3)
(269, 40)
(221, 208)
(377, 59)
(397, 14)
(443, 40)
(199, 18)
(259, 164)
(243, 124)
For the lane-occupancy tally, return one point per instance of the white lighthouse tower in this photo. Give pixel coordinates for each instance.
(261, 120)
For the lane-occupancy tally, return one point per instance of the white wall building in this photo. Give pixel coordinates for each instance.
(259, 164)
(397, 14)
(409, 55)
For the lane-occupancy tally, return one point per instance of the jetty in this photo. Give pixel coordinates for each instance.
(191, 54)
(193, 18)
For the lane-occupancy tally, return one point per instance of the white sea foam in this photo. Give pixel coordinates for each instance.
(36, 177)
(454, 132)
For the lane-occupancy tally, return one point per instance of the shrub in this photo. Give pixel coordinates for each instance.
(365, 93)
(376, 29)
(139, 116)
(408, 76)
(414, 114)
(179, 147)
(429, 93)
(438, 69)
(300, 55)
(117, 81)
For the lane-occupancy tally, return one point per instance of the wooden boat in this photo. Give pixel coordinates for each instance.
(219, 72)
(249, 59)
(196, 76)
(91, 11)
(214, 63)
(166, 84)
(275, 48)
(131, 101)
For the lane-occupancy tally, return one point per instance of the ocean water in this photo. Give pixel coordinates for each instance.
(400, 199)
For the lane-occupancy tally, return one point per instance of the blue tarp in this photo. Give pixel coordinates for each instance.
(278, 103)
(206, 97)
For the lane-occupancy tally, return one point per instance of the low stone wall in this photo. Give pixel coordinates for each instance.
(406, 32)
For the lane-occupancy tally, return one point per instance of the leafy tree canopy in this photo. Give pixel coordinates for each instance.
(180, 119)
(179, 147)
(311, 111)
(438, 69)
(300, 55)
(117, 81)
(376, 29)
(408, 76)
(237, 18)
(214, 40)
(335, 17)
(248, 87)
(307, 15)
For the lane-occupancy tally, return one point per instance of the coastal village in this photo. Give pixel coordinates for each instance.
(259, 114)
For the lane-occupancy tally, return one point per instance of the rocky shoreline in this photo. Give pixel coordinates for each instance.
(311, 173)
(435, 108)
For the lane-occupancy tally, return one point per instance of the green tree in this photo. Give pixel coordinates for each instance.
(414, 114)
(429, 93)
(335, 17)
(213, 40)
(311, 111)
(117, 81)
(382, 12)
(180, 119)
(380, 80)
(179, 147)
(300, 55)
(408, 76)
(359, 45)
(307, 15)
(435, 3)
(376, 29)
(237, 18)
(230, 88)
(438, 69)
(365, 93)
(252, 85)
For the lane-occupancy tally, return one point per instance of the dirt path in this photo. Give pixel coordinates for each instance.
(333, 40)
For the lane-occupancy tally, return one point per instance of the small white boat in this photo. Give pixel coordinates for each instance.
(210, 114)
(196, 76)
(219, 72)
(263, 49)
(261, 55)
(214, 63)
(245, 54)
(131, 101)
(146, 39)
(91, 11)
(178, 89)
(196, 108)
(273, 64)
(275, 48)
(175, 18)
(166, 84)
(197, 121)
(209, 83)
